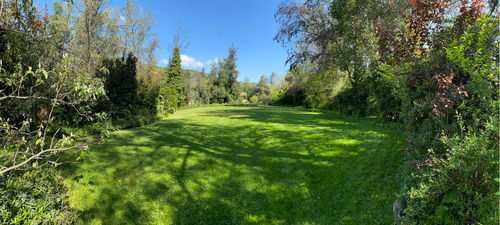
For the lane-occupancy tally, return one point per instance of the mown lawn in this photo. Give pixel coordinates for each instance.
(240, 165)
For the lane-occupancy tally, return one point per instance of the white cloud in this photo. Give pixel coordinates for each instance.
(190, 62)
(209, 62)
(164, 61)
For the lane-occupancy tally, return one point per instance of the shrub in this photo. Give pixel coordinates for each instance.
(34, 197)
(294, 95)
(254, 99)
(352, 101)
(383, 100)
(452, 152)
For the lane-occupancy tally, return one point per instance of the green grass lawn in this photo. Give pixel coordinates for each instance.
(240, 165)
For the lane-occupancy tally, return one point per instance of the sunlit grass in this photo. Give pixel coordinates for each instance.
(240, 165)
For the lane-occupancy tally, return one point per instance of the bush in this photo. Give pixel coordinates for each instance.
(34, 197)
(383, 101)
(294, 95)
(265, 99)
(167, 101)
(254, 99)
(460, 186)
(451, 156)
(352, 101)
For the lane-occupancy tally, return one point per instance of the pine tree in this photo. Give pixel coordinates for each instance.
(174, 75)
(231, 73)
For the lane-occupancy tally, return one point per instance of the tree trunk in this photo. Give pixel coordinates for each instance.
(1, 8)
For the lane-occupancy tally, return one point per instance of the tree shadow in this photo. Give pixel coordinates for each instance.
(281, 166)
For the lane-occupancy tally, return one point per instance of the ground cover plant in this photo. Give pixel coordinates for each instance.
(240, 165)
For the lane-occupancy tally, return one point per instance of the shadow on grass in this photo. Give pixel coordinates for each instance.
(240, 165)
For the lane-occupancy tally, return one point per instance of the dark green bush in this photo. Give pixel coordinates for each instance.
(294, 95)
(383, 101)
(352, 101)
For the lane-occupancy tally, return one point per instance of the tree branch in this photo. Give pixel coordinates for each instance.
(43, 152)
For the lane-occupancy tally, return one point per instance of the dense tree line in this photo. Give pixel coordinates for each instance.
(430, 65)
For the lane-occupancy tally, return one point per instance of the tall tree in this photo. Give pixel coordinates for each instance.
(180, 39)
(262, 87)
(136, 29)
(333, 34)
(231, 72)
(23, 36)
(272, 79)
(90, 31)
(174, 74)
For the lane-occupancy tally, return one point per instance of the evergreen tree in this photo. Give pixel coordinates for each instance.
(121, 83)
(231, 73)
(174, 75)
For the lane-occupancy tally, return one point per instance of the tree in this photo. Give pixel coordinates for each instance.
(232, 73)
(224, 74)
(121, 83)
(35, 104)
(90, 30)
(136, 31)
(174, 75)
(333, 34)
(23, 33)
(272, 79)
(262, 88)
(31, 141)
(180, 39)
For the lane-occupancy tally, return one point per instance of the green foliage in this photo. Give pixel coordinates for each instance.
(224, 86)
(34, 197)
(294, 96)
(174, 74)
(352, 101)
(39, 108)
(120, 82)
(452, 151)
(232, 73)
(278, 95)
(167, 101)
(460, 186)
(30, 190)
(48, 92)
(19, 19)
(436, 72)
(254, 99)
(384, 101)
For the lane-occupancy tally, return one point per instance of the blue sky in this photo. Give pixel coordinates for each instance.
(212, 25)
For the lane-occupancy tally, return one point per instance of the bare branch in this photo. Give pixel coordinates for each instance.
(41, 98)
(65, 162)
(180, 40)
(38, 155)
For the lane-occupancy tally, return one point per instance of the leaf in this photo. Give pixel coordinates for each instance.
(45, 74)
(38, 141)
